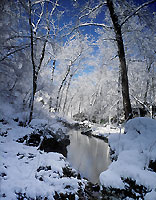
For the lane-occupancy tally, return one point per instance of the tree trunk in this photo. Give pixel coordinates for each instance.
(153, 87)
(33, 64)
(66, 97)
(70, 105)
(146, 92)
(53, 69)
(122, 60)
(36, 68)
(32, 98)
(60, 88)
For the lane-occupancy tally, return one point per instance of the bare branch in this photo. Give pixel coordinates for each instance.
(42, 1)
(24, 6)
(9, 54)
(140, 102)
(139, 8)
(94, 24)
(56, 4)
(114, 57)
(90, 24)
(92, 10)
(42, 57)
(40, 16)
(25, 36)
(31, 38)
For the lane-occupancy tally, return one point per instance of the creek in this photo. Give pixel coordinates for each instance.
(88, 155)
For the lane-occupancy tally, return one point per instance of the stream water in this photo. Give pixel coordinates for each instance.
(88, 155)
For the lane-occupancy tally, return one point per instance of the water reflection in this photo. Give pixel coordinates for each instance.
(89, 156)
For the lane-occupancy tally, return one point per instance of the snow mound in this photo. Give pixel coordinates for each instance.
(26, 172)
(134, 150)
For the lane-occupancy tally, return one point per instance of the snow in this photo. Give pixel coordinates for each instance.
(6, 110)
(133, 150)
(151, 195)
(106, 130)
(53, 124)
(25, 169)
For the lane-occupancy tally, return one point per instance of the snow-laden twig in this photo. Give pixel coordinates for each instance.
(43, 1)
(139, 8)
(94, 24)
(39, 20)
(92, 10)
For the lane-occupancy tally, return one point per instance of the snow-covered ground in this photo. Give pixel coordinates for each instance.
(29, 172)
(134, 151)
(26, 171)
(132, 155)
(105, 131)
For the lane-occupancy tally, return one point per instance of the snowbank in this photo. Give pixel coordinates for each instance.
(26, 172)
(106, 130)
(134, 151)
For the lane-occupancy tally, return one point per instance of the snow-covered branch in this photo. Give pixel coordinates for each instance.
(43, 1)
(92, 10)
(139, 8)
(55, 5)
(140, 102)
(12, 52)
(40, 16)
(92, 24)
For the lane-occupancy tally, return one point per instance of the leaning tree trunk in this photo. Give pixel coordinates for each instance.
(122, 60)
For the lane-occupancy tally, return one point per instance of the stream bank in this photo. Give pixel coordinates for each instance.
(132, 174)
(35, 171)
(35, 174)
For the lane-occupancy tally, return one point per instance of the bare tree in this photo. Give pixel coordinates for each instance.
(122, 59)
(117, 26)
(65, 78)
(38, 63)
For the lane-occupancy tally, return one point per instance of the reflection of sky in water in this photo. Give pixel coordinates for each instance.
(89, 156)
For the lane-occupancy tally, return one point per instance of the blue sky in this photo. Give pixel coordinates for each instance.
(90, 30)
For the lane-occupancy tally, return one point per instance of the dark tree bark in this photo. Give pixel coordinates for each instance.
(36, 68)
(53, 69)
(122, 60)
(33, 65)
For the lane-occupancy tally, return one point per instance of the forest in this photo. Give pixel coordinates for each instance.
(77, 65)
(68, 57)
